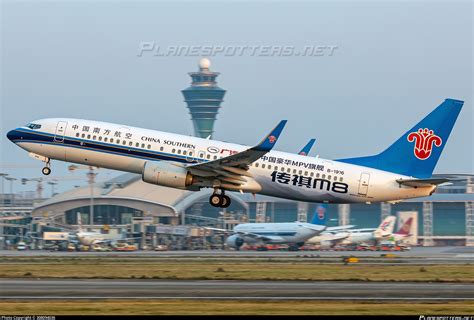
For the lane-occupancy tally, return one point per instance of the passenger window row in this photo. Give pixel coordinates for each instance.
(295, 171)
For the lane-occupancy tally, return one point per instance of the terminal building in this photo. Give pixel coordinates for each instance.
(131, 206)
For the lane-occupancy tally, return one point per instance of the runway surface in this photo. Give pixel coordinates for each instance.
(418, 255)
(317, 290)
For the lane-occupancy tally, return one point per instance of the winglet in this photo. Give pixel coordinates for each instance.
(270, 139)
(307, 148)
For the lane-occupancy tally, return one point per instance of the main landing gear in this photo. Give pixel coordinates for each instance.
(219, 200)
(46, 170)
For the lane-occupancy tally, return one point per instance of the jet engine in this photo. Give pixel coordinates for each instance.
(166, 174)
(234, 241)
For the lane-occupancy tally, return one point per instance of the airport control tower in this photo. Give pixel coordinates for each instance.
(204, 99)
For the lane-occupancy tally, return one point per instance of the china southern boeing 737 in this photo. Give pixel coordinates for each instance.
(400, 172)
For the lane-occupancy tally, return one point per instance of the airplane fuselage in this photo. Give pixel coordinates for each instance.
(277, 174)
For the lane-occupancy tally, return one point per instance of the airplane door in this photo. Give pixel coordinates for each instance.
(364, 183)
(60, 131)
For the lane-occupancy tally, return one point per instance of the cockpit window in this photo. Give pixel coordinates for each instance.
(33, 126)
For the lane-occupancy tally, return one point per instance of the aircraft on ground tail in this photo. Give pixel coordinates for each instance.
(400, 172)
(307, 148)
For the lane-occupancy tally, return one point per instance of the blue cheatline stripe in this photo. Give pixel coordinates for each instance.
(46, 138)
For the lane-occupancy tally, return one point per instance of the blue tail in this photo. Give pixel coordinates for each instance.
(417, 151)
(319, 216)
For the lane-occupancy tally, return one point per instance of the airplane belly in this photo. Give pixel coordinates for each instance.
(52, 151)
(105, 160)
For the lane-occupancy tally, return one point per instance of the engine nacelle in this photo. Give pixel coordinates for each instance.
(166, 174)
(234, 241)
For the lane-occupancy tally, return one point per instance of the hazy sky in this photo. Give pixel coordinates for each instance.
(395, 61)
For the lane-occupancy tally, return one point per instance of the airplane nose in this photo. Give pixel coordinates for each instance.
(11, 135)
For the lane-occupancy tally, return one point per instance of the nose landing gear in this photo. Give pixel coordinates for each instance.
(219, 200)
(47, 169)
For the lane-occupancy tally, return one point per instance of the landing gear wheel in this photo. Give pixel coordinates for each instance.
(216, 200)
(226, 202)
(46, 171)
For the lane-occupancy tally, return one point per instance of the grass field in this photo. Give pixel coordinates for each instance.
(105, 268)
(225, 307)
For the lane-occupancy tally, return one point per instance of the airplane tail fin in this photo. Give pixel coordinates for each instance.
(417, 151)
(319, 216)
(405, 228)
(386, 227)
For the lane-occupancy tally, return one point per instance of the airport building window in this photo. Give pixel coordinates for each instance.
(103, 214)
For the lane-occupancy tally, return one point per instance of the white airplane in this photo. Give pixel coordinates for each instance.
(400, 172)
(293, 233)
(89, 238)
(355, 236)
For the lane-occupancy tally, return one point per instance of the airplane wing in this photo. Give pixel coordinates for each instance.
(422, 182)
(229, 170)
(363, 230)
(340, 236)
(248, 234)
(338, 228)
(259, 237)
(307, 148)
(314, 227)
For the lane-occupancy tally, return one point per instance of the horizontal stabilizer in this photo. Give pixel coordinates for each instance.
(422, 182)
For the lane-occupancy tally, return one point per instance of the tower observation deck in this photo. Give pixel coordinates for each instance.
(204, 99)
